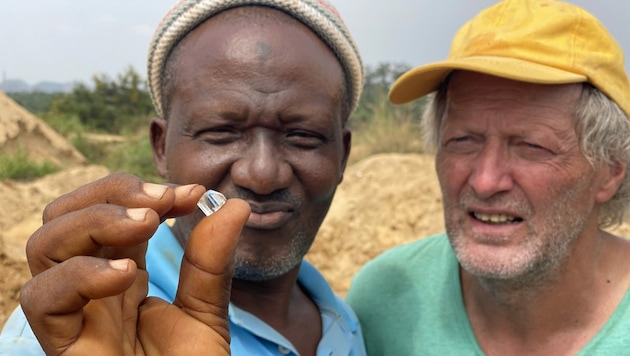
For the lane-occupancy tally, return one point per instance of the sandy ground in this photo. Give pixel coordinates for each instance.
(384, 200)
(369, 214)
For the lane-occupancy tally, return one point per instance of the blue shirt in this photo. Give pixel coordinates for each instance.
(341, 332)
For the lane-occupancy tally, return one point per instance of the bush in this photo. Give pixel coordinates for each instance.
(388, 129)
(93, 151)
(21, 167)
(65, 124)
(109, 105)
(36, 102)
(135, 157)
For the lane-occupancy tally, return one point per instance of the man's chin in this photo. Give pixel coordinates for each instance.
(258, 273)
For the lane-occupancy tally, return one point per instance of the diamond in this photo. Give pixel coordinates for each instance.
(211, 201)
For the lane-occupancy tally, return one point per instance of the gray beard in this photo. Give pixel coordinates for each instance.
(268, 268)
(548, 250)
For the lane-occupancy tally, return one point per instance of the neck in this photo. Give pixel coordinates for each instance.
(522, 290)
(283, 305)
(566, 308)
(269, 299)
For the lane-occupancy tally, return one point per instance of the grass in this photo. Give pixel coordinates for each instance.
(131, 154)
(21, 167)
(390, 129)
(135, 156)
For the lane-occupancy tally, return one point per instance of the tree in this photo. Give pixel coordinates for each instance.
(379, 126)
(374, 101)
(37, 102)
(111, 106)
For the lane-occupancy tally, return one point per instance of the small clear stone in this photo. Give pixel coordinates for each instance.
(211, 201)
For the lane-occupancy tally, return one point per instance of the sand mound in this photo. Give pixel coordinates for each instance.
(20, 216)
(21, 130)
(22, 203)
(21, 209)
(384, 200)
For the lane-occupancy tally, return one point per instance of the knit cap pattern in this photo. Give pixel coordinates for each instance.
(318, 15)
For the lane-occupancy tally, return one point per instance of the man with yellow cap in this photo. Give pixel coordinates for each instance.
(528, 117)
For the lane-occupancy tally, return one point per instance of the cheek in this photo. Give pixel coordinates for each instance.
(188, 162)
(318, 176)
(451, 173)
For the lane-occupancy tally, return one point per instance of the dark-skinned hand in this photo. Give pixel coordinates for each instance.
(88, 291)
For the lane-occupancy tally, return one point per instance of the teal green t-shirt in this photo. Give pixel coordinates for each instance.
(409, 302)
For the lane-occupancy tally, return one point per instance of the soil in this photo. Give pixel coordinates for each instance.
(384, 200)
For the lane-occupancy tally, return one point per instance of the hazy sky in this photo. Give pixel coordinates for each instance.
(68, 40)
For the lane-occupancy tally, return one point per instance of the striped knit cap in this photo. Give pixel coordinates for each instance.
(319, 15)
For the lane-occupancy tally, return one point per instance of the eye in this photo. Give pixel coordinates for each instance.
(534, 151)
(219, 135)
(531, 145)
(306, 139)
(461, 144)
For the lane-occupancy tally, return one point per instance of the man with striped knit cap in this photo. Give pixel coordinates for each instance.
(253, 97)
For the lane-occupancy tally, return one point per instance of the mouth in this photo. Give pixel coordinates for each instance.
(496, 219)
(269, 216)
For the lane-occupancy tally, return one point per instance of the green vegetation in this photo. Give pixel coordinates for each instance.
(36, 102)
(390, 129)
(122, 107)
(113, 106)
(136, 157)
(379, 126)
(20, 167)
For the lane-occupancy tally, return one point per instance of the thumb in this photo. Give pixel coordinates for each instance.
(207, 266)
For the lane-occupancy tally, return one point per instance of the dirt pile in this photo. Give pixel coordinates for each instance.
(21, 130)
(20, 215)
(21, 204)
(384, 200)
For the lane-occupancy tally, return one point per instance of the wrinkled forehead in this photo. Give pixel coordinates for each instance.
(473, 87)
(249, 42)
(248, 32)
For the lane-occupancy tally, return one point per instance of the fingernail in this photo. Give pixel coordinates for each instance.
(137, 214)
(121, 265)
(154, 190)
(183, 191)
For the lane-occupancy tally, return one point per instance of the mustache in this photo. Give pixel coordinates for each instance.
(498, 201)
(277, 196)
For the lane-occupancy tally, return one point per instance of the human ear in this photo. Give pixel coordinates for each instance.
(347, 143)
(158, 130)
(612, 176)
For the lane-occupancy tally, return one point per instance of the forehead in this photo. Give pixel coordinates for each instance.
(493, 103)
(473, 90)
(252, 40)
(257, 33)
(256, 66)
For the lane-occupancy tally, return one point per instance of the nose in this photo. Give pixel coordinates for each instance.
(491, 172)
(262, 168)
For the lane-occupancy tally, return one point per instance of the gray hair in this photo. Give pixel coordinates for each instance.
(603, 130)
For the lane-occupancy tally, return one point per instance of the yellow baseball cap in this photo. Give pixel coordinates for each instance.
(536, 41)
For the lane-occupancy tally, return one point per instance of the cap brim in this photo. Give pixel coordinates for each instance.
(423, 80)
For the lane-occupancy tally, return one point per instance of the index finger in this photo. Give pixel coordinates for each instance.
(129, 191)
